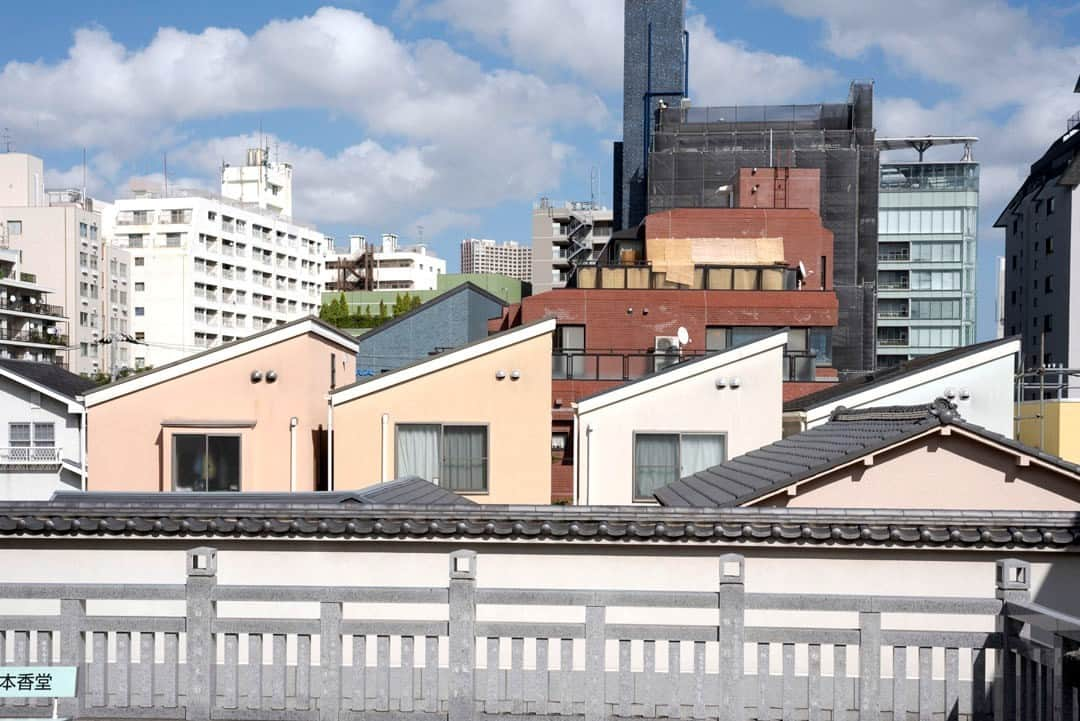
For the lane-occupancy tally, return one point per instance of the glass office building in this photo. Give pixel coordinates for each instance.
(927, 221)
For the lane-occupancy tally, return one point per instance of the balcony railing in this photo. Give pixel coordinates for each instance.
(892, 314)
(706, 277)
(892, 341)
(625, 366)
(32, 337)
(23, 306)
(25, 456)
(894, 285)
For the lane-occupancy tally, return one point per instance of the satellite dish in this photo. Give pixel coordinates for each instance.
(682, 335)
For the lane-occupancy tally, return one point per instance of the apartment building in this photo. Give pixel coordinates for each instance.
(562, 233)
(480, 255)
(927, 224)
(31, 329)
(58, 233)
(386, 266)
(207, 269)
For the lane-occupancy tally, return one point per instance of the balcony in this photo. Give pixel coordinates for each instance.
(894, 285)
(38, 337)
(25, 456)
(626, 366)
(23, 306)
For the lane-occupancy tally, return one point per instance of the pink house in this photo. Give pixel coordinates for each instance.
(251, 415)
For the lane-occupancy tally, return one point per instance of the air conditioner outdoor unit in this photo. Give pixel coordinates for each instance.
(667, 351)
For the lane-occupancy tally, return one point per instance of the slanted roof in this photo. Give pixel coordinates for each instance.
(835, 392)
(448, 358)
(220, 354)
(848, 436)
(408, 491)
(46, 377)
(467, 286)
(681, 371)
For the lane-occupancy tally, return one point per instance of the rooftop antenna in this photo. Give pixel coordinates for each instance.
(84, 174)
(5, 137)
(165, 172)
(594, 185)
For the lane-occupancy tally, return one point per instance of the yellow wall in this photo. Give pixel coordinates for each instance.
(517, 413)
(1061, 431)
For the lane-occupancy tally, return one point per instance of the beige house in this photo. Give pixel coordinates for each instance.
(246, 416)
(633, 439)
(476, 420)
(894, 457)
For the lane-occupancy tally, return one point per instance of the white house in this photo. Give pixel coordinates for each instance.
(633, 439)
(978, 378)
(45, 427)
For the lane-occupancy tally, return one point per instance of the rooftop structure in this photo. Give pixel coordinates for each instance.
(387, 266)
(564, 235)
(259, 182)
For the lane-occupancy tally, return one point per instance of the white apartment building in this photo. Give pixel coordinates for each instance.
(480, 255)
(561, 232)
(58, 235)
(31, 329)
(389, 265)
(207, 269)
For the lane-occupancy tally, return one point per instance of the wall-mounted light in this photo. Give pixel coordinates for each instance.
(644, 311)
(271, 376)
(735, 382)
(500, 374)
(256, 376)
(950, 393)
(721, 382)
(515, 374)
(630, 311)
(965, 394)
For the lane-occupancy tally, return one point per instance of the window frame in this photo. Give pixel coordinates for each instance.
(678, 455)
(206, 439)
(442, 454)
(28, 443)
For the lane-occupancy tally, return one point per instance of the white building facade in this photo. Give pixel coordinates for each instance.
(207, 269)
(31, 328)
(480, 255)
(392, 266)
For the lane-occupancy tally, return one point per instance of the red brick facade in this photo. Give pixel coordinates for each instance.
(779, 188)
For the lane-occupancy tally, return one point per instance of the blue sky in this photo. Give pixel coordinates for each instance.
(457, 114)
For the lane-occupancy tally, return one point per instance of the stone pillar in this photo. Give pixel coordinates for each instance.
(732, 604)
(1013, 582)
(73, 652)
(201, 650)
(330, 660)
(869, 665)
(462, 704)
(595, 666)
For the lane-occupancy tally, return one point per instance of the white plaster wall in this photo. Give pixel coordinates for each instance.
(19, 404)
(749, 415)
(989, 382)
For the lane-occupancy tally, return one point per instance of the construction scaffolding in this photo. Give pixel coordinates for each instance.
(696, 155)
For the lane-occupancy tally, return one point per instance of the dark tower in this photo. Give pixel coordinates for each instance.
(654, 70)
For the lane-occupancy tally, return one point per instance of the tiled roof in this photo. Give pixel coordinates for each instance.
(837, 391)
(847, 435)
(50, 376)
(410, 491)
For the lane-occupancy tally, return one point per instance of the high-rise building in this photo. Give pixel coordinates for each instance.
(654, 71)
(697, 154)
(565, 233)
(927, 224)
(58, 233)
(1040, 265)
(479, 255)
(206, 269)
(31, 328)
(387, 266)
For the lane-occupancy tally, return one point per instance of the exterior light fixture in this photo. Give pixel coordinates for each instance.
(500, 374)
(256, 376)
(630, 310)
(950, 393)
(721, 382)
(965, 394)
(515, 374)
(736, 382)
(644, 311)
(271, 376)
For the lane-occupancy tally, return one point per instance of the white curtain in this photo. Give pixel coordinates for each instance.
(465, 458)
(418, 452)
(656, 462)
(700, 452)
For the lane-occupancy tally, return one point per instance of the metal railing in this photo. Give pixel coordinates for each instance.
(678, 666)
(25, 306)
(33, 337)
(624, 366)
(706, 277)
(30, 456)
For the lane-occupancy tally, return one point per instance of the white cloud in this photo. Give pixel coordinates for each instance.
(727, 73)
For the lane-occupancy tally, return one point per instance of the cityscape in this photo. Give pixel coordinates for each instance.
(626, 359)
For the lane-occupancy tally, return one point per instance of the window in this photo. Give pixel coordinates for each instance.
(140, 361)
(569, 345)
(44, 435)
(1014, 262)
(454, 457)
(1050, 206)
(1012, 297)
(139, 310)
(716, 339)
(205, 463)
(140, 287)
(1050, 245)
(1046, 323)
(139, 261)
(19, 435)
(140, 336)
(1048, 284)
(82, 230)
(14, 227)
(660, 458)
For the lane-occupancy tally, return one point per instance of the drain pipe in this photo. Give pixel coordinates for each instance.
(383, 445)
(588, 462)
(329, 443)
(293, 422)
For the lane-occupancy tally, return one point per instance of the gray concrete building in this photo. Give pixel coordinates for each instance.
(1040, 265)
(564, 232)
